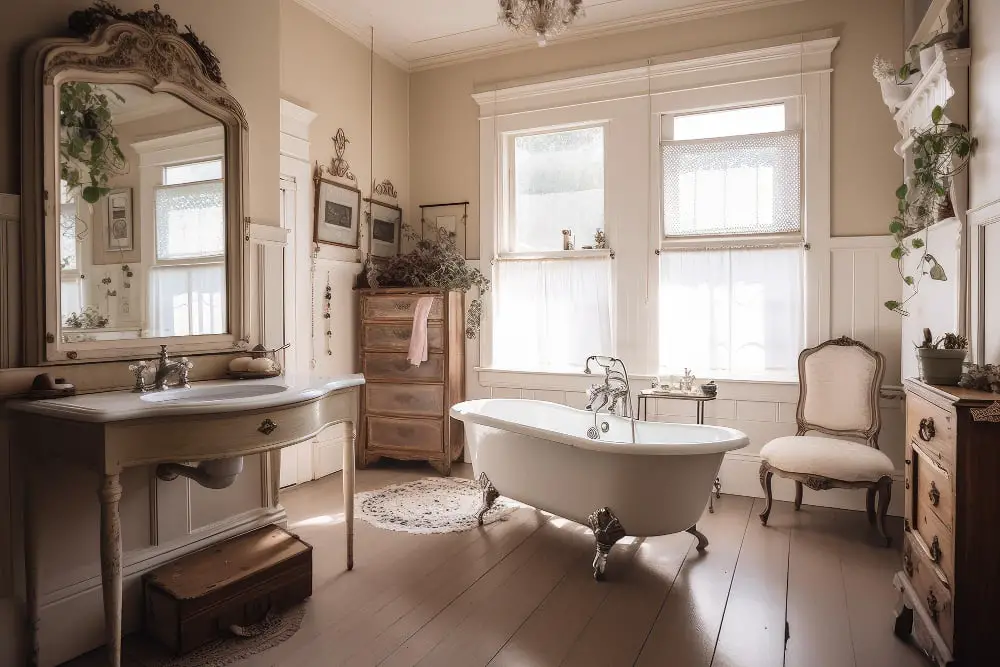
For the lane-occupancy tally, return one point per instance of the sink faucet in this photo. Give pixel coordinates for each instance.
(165, 370)
(615, 392)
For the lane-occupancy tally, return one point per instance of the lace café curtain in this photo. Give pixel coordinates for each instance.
(190, 220)
(551, 314)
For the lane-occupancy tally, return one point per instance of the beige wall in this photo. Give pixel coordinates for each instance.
(445, 130)
(327, 72)
(984, 103)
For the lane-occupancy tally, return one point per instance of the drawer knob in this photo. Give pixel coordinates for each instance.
(267, 426)
(926, 429)
(932, 606)
(908, 565)
(934, 495)
(935, 550)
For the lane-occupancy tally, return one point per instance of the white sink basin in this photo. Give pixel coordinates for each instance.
(211, 394)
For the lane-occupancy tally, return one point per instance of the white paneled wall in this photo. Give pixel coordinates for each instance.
(862, 278)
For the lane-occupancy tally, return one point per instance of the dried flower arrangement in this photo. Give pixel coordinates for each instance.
(983, 378)
(435, 262)
(88, 318)
(949, 341)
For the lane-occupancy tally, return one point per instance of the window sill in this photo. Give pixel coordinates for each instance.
(556, 254)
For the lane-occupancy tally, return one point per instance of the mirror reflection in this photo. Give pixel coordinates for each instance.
(142, 224)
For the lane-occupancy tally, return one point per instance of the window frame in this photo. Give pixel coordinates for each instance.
(794, 121)
(508, 221)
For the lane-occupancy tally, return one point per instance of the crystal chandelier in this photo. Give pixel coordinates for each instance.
(539, 18)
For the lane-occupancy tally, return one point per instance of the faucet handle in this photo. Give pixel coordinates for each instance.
(183, 366)
(139, 369)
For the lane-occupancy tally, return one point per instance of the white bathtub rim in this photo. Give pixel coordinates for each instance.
(467, 412)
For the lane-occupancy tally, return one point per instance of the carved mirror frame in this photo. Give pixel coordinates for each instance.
(145, 49)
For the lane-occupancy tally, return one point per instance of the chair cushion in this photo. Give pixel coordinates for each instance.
(827, 457)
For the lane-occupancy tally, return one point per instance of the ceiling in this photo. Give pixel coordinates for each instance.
(420, 34)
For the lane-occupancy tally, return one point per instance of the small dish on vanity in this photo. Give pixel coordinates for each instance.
(261, 364)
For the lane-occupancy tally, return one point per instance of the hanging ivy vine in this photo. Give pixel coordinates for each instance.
(88, 145)
(939, 153)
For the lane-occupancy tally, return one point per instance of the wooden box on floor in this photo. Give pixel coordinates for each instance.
(950, 582)
(404, 408)
(198, 597)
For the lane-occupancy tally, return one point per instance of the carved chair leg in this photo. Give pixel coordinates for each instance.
(870, 505)
(765, 484)
(700, 536)
(884, 495)
(798, 496)
(490, 495)
(607, 530)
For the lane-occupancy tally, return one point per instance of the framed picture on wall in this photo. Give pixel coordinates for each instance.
(386, 229)
(119, 232)
(338, 210)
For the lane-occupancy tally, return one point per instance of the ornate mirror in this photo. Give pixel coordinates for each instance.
(134, 176)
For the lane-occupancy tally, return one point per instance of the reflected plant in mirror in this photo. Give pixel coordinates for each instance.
(88, 145)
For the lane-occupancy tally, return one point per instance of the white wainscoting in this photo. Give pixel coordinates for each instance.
(862, 278)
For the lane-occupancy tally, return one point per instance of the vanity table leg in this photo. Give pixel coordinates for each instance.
(349, 495)
(111, 566)
(30, 561)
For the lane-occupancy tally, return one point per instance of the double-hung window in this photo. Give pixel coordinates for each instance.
(731, 249)
(187, 284)
(71, 283)
(552, 307)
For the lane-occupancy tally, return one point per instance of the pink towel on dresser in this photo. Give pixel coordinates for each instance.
(418, 336)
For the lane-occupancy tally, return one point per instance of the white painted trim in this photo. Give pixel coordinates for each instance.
(684, 63)
(979, 219)
(577, 33)
(295, 120)
(184, 139)
(266, 233)
(934, 89)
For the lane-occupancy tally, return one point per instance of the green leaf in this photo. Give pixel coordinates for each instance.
(937, 272)
(908, 280)
(901, 191)
(937, 114)
(895, 227)
(917, 243)
(892, 305)
(897, 253)
(91, 194)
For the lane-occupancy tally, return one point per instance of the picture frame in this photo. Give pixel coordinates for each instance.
(337, 214)
(386, 229)
(119, 225)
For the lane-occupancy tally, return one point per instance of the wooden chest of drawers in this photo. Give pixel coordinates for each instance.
(404, 408)
(950, 582)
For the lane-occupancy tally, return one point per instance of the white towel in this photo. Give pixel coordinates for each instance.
(418, 336)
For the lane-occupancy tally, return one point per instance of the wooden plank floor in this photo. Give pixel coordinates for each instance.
(519, 592)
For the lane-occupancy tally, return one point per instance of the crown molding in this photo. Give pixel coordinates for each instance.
(578, 33)
(358, 33)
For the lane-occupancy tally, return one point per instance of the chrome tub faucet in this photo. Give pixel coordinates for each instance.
(614, 393)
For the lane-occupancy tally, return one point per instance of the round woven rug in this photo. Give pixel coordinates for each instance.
(429, 505)
(139, 651)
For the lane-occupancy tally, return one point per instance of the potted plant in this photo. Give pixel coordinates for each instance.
(940, 361)
(434, 262)
(940, 152)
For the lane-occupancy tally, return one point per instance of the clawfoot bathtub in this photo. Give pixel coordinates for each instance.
(635, 478)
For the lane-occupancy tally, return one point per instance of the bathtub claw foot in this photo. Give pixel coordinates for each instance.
(607, 530)
(490, 495)
(700, 536)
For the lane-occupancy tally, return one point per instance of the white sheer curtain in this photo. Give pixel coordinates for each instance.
(550, 315)
(190, 220)
(731, 313)
(187, 299)
(732, 185)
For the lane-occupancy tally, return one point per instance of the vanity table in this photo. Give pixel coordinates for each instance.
(108, 432)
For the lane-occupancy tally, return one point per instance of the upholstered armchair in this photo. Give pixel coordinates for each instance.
(839, 383)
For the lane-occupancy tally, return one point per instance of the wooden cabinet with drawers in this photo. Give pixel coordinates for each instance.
(950, 582)
(405, 407)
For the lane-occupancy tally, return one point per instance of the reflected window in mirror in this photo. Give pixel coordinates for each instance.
(188, 282)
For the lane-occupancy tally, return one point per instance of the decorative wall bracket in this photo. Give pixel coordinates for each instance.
(384, 189)
(339, 167)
